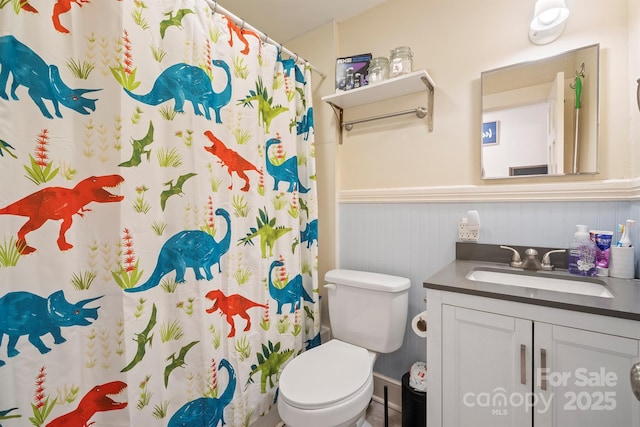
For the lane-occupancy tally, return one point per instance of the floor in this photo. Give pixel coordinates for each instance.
(375, 416)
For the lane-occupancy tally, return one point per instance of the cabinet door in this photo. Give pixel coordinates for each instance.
(587, 378)
(486, 369)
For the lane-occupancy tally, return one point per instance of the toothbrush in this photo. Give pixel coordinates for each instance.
(625, 241)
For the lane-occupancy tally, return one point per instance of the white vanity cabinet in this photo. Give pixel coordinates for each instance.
(481, 359)
(487, 360)
(587, 379)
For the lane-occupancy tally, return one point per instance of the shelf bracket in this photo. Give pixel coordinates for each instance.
(339, 113)
(431, 91)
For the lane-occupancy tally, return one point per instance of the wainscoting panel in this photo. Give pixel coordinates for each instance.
(415, 240)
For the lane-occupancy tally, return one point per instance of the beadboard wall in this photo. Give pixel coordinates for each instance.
(415, 240)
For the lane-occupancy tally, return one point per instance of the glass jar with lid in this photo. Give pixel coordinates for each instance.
(378, 70)
(401, 61)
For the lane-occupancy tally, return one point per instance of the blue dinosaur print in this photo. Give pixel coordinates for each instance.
(42, 81)
(310, 233)
(306, 124)
(183, 82)
(289, 65)
(24, 313)
(6, 414)
(285, 172)
(195, 249)
(290, 294)
(313, 342)
(206, 411)
(4, 145)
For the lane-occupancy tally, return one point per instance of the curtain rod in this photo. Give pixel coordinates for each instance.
(265, 38)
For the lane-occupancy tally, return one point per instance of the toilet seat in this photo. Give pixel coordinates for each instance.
(325, 375)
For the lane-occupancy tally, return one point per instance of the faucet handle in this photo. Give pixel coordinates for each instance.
(546, 259)
(516, 261)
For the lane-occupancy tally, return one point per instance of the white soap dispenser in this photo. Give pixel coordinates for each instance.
(582, 253)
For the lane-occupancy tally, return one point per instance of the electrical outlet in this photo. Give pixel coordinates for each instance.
(467, 235)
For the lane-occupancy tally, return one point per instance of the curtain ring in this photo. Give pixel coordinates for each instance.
(266, 37)
(242, 26)
(297, 57)
(215, 7)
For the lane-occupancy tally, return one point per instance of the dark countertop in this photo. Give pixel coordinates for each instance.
(624, 304)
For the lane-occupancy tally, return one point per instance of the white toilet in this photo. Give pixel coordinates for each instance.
(331, 385)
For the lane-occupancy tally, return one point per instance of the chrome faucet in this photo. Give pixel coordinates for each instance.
(531, 261)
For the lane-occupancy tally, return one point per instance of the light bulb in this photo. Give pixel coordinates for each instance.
(548, 16)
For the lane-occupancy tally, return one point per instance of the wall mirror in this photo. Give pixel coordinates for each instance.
(540, 118)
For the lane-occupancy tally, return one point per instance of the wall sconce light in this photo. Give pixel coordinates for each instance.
(549, 18)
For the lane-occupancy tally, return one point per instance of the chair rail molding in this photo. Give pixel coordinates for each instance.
(602, 190)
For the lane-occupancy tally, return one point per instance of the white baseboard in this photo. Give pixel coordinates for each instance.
(394, 391)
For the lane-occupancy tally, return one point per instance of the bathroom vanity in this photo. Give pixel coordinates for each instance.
(522, 355)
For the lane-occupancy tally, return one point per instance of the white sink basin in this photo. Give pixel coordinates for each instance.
(556, 284)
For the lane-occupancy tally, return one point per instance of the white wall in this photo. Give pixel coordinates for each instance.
(522, 139)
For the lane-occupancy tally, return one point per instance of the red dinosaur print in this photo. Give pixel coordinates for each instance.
(240, 32)
(60, 7)
(28, 8)
(231, 159)
(230, 306)
(58, 203)
(96, 400)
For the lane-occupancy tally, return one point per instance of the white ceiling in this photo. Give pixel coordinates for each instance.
(283, 20)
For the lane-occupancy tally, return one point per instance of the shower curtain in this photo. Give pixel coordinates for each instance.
(158, 215)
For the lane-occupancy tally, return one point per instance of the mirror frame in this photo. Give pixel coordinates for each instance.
(544, 71)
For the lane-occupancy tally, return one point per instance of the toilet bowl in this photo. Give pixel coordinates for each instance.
(330, 385)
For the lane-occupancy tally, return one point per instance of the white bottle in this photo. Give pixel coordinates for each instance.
(582, 253)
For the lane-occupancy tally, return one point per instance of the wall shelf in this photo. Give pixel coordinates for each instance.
(414, 82)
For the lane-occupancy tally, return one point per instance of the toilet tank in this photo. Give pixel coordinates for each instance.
(368, 309)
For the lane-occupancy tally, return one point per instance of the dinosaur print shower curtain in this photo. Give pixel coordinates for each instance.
(158, 215)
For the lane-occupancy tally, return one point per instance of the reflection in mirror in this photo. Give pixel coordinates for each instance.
(541, 117)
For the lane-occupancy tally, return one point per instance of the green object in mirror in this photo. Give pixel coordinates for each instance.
(532, 110)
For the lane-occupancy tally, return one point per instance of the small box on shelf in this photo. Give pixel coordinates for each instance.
(352, 72)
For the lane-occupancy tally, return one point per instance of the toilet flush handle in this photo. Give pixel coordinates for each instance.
(330, 286)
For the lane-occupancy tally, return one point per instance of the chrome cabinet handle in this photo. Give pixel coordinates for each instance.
(543, 368)
(635, 380)
(523, 364)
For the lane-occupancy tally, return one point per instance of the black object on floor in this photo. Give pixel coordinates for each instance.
(414, 405)
(386, 406)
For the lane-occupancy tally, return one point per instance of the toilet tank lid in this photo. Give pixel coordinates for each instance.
(368, 280)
